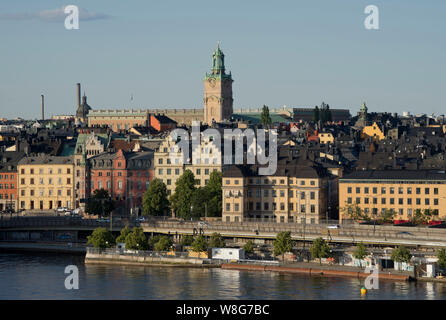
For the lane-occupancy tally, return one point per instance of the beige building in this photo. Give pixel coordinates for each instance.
(295, 194)
(46, 183)
(403, 191)
(170, 164)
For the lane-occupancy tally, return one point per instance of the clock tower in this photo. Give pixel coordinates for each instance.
(217, 90)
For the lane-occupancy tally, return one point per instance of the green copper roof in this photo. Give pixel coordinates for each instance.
(218, 65)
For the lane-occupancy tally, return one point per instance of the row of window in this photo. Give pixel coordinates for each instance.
(7, 186)
(42, 181)
(427, 201)
(266, 206)
(100, 185)
(400, 211)
(6, 176)
(301, 194)
(51, 205)
(42, 193)
(50, 171)
(281, 181)
(5, 196)
(392, 190)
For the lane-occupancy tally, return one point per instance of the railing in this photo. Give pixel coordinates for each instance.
(139, 253)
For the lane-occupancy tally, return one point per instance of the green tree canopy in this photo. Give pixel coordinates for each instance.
(124, 232)
(282, 243)
(101, 238)
(200, 244)
(155, 201)
(316, 114)
(401, 254)
(199, 200)
(265, 118)
(354, 212)
(387, 216)
(216, 241)
(360, 252)
(421, 217)
(249, 246)
(214, 193)
(100, 203)
(153, 240)
(441, 256)
(320, 249)
(136, 240)
(182, 199)
(186, 240)
(164, 244)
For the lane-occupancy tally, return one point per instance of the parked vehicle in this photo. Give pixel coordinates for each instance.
(333, 226)
(203, 224)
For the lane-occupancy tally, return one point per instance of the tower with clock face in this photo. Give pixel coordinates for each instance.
(217, 90)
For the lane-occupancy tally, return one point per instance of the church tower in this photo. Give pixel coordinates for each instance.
(217, 90)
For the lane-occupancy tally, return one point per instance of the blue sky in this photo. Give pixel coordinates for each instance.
(294, 53)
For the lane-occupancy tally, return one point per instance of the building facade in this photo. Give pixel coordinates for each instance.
(402, 191)
(295, 194)
(8, 179)
(46, 183)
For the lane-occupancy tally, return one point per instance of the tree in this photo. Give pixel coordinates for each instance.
(155, 201)
(100, 203)
(136, 240)
(101, 238)
(182, 199)
(124, 232)
(441, 256)
(200, 244)
(354, 212)
(320, 249)
(401, 254)
(316, 114)
(360, 252)
(186, 241)
(421, 217)
(325, 113)
(216, 241)
(164, 243)
(213, 188)
(199, 202)
(282, 243)
(249, 246)
(153, 240)
(265, 118)
(387, 216)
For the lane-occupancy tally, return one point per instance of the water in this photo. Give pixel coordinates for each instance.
(37, 276)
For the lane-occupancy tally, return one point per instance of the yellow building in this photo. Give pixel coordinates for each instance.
(295, 194)
(373, 131)
(205, 159)
(403, 191)
(325, 137)
(46, 183)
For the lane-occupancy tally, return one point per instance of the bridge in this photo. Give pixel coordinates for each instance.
(77, 229)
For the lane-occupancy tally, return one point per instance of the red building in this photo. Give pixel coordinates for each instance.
(125, 175)
(8, 179)
(162, 123)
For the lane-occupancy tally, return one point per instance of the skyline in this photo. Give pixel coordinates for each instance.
(288, 54)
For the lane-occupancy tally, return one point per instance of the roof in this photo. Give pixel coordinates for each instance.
(46, 159)
(396, 175)
(256, 117)
(9, 160)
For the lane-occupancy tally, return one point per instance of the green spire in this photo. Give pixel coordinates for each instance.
(218, 61)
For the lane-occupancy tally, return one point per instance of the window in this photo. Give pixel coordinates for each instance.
(198, 171)
(68, 181)
(228, 207)
(375, 190)
(291, 206)
(349, 190)
(290, 194)
(206, 171)
(358, 190)
(392, 200)
(266, 206)
(400, 190)
(358, 200)
(302, 208)
(392, 190)
(169, 171)
(375, 200)
(435, 202)
(400, 201)
(409, 200)
(119, 184)
(366, 190)
(313, 208)
(312, 194)
(418, 201)
(265, 193)
(177, 171)
(160, 171)
(383, 190)
(228, 182)
(100, 174)
(435, 190)
(258, 206)
(418, 190)
(302, 195)
(274, 193)
(426, 201)
(409, 190)
(282, 206)
(236, 181)
(366, 200)
(349, 200)
(383, 200)
(426, 190)
(236, 207)
(282, 193)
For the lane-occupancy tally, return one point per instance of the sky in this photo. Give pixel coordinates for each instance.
(294, 53)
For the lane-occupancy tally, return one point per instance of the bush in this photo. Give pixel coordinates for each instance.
(164, 244)
(136, 240)
(101, 238)
(216, 241)
(249, 246)
(200, 244)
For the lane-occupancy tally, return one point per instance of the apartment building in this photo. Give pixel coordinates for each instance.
(8, 179)
(46, 182)
(170, 163)
(403, 191)
(296, 193)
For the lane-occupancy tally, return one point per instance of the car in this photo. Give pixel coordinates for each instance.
(141, 219)
(67, 213)
(333, 226)
(62, 209)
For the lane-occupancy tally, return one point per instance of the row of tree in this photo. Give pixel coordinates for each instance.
(355, 212)
(188, 201)
(322, 114)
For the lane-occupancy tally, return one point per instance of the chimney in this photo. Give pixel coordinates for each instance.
(78, 94)
(43, 106)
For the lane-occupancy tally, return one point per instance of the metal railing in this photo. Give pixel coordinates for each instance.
(139, 253)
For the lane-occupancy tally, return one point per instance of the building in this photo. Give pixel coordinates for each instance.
(169, 164)
(162, 123)
(82, 109)
(306, 114)
(8, 179)
(118, 120)
(46, 183)
(403, 191)
(296, 193)
(125, 175)
(374, 132)
(218, 101)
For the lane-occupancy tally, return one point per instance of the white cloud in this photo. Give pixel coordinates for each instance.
(54, 15)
